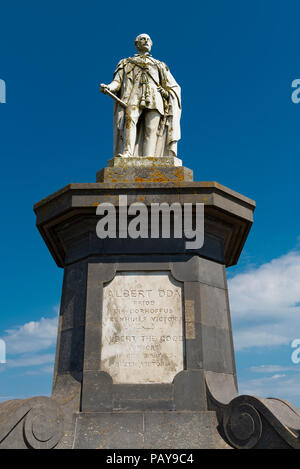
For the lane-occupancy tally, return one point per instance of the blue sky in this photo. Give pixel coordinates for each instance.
(235, 62)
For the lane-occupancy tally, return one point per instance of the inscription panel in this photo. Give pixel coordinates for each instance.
(142, 328)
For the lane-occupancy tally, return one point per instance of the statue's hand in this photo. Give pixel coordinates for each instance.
(103, 88)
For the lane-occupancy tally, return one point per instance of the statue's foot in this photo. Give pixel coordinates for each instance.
(124, 155)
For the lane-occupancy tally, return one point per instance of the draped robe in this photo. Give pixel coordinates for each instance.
(128, 75)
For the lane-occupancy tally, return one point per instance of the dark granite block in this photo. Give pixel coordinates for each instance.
(137, 430)
(96, 392)
(101, 270)
(143, 391)
(72, 308)
(197, 269)
(94, 299)
(214, 307)
(194, 346)
(142, 405)
(71, 350)
(189, 390)
(109, 431)
(182, 430)
(92, 347)
(217, 350)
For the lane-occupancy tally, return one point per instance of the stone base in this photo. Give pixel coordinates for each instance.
(175, 174)
(241, 422)
(154, 430)
(144, 169)
(144, 161)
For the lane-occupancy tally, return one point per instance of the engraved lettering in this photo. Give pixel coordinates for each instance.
(142, 333)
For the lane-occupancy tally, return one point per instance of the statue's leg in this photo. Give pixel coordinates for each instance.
(152, 119)
(131, 118)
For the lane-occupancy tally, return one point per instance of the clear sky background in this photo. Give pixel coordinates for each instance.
(235, 62)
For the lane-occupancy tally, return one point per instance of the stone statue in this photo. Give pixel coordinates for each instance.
(147, 106)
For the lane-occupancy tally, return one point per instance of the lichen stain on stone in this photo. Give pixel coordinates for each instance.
(158, 176)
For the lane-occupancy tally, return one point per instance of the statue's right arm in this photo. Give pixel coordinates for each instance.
(116, 84)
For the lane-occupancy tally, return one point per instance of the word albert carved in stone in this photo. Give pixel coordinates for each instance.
(147, 105)
(142, 328)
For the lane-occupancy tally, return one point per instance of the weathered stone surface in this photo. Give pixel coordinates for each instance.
(97, 393)
(143, 173)
(248, 422)
(67, 219)
(36, 423)
(197, 269)
(191, 430)
(153, 162)
(142, 330)
(217, 350)
(189, 391)
(104, 430)
(178, 430)
(214, 307)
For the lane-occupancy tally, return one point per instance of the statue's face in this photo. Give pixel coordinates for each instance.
(143, 43)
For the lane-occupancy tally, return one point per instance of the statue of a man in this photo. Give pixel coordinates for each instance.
(148, 106)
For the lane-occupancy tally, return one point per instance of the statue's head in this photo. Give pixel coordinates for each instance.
(143, 43)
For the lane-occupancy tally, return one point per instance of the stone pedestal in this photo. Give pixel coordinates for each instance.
(142, 321)
(144, 352)
(145, 169)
